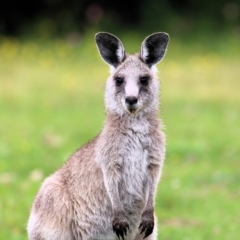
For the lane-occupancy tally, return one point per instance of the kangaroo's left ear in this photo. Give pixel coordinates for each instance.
(110, 48)
(153, 48)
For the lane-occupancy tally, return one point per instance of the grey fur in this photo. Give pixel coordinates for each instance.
(106, 189)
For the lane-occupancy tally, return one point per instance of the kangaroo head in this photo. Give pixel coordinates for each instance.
(133, 85)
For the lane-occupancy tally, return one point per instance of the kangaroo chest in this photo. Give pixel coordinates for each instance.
(134, 153)
(134, 165)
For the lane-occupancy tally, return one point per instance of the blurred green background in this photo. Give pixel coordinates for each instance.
(51, 102)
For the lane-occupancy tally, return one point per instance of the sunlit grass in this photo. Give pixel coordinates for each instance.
(51, 102)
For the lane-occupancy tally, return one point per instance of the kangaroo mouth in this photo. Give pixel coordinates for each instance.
(132, 110)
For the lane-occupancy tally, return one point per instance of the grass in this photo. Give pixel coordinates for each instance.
(51, 102)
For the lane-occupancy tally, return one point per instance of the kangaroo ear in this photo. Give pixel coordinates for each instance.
(154, 47)
(110, 48)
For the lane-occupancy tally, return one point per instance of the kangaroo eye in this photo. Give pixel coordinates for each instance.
(144, 80)
(118, 81)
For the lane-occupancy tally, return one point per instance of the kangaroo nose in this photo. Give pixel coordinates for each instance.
(131, 100)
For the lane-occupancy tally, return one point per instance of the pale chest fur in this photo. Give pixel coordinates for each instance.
(126, 149)
(134, 168)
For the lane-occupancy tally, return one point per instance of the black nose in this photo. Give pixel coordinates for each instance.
(131, 100)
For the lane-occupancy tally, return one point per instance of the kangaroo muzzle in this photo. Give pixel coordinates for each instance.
(131, 103)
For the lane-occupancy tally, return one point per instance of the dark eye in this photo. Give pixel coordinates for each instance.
(144, 80)
(118, 81)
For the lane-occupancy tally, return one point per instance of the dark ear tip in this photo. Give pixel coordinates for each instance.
(166, 36)
(104, 35)
(158, 36)
(163, 35)
(98, 36)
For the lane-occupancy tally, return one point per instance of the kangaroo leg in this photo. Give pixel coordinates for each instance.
(50, 215)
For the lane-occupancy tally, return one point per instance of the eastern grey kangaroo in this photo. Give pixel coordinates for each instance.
(106, 189)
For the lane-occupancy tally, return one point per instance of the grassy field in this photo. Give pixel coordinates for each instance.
(51, 102)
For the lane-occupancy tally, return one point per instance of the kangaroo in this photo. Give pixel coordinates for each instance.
(106, 189)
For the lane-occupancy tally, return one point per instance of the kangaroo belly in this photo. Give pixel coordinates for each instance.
(134, 187)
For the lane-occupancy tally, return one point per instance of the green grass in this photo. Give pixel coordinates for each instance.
(51, 102)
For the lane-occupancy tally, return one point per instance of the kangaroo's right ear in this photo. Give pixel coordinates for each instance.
(110, 48)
